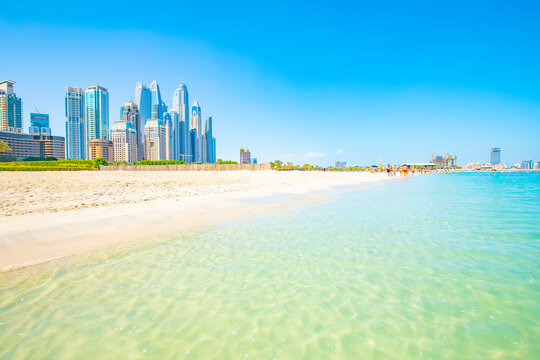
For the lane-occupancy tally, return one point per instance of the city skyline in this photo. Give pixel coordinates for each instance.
(351, 89)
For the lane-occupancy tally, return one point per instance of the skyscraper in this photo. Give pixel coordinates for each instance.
(195, 124)
(10, 108)
(157, 103)
(527, 165)
(39, 124)
(210, 142)
(495, 156)
(124, 139)
(171, 125)
(181, 106)
(143, 99)
(154, 137)
(76, 147)
(97, 113)
(131, 115)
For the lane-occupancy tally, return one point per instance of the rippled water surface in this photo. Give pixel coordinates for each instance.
(435, 267)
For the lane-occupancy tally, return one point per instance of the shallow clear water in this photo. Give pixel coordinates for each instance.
(435, 267)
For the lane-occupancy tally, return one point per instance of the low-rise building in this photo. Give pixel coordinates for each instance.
(101, 148)
(33, 145)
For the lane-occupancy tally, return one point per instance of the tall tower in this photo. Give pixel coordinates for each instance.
(495, 156)
(131, 115)
(97, 113)
(210, 142)
(10, 108)
(157, 103)
(76, 147)
(196, 132)
(181, 106)
(143, 99)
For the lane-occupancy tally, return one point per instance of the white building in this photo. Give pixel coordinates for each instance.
(124, 139)
(155, 140)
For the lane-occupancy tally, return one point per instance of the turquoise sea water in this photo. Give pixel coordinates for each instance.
(435, 267)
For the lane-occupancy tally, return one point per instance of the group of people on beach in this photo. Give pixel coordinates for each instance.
(403, 170)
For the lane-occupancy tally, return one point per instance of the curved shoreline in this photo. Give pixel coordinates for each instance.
(39, 237)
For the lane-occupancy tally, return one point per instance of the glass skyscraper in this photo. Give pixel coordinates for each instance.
(181, 106)
(143, 99)
(97, 113)
(495, 156)
(196, 125)
(76, 147)
(157, 102)
(210, 142)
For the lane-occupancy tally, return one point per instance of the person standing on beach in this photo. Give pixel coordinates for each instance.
(389, 170)
(405, 170)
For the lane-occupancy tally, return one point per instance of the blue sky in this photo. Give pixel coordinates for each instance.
(301, 81)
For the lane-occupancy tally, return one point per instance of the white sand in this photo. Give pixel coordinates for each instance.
(46, 215)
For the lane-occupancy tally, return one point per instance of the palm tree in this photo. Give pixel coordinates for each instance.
(4, 146)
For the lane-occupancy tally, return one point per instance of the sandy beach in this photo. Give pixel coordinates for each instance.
(47, 215)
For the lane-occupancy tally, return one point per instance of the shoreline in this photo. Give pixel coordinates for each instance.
(41, 236)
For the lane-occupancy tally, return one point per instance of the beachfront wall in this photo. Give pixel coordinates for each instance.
(186, 167)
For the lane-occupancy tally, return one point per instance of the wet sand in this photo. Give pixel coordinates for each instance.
(47, 215)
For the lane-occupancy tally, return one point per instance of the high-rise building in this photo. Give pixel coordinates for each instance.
(171, 125)
(124, 139)
(536, 165)
(245, 156)
(157, 102)
(210, 142)
(131, 115)
(495, 156)
(181, 106)
(195, 124)
(39, 124)
(10, 108)
(97, 114)
(101, 148)
(76, 147)
(143, 99)
(527, 165)
(155, 141)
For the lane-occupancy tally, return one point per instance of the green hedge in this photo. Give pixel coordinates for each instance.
(58, 165)
(162, 162)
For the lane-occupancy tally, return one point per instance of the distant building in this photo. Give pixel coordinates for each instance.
(526, 165)
(124, 139)
(76, 146)
(143, 99)
(170, 121)
(495, 156)
(245, 156)
(443, 160)
(209, 142)
(130, 114)
(181, 106)
(101, 148)
(33, 145)
(537, 165)
(97, 114)
(39, 124)
(341, 164)
(10, 108)
(196, 124)
(155, 142)
(157, 102)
